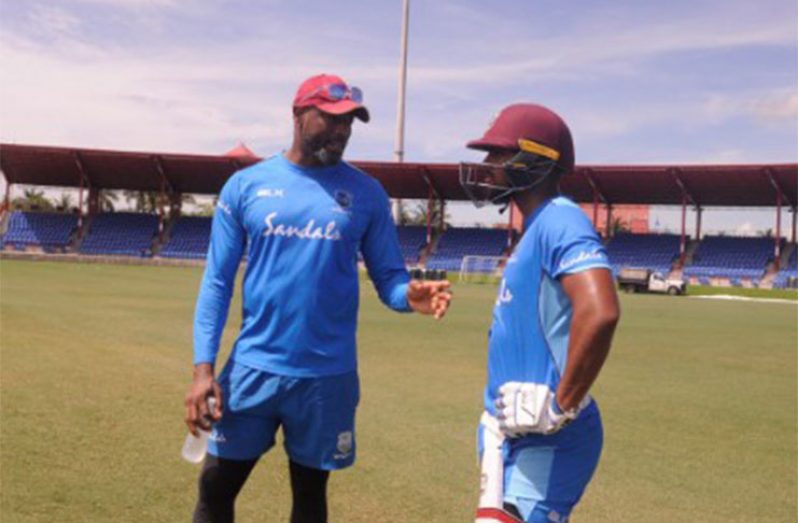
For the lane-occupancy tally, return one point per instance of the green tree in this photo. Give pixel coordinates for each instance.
(148, 201)
(63, 203)
(32, 199)
(143, 201)
(419, 215)
(618, 226)
(199, 209)
(403, 216)
(203, 209)
(107, 200)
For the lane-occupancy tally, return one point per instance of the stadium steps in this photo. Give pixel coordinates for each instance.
(80, 234)
(430, 249)
(771, 274)
(4, 222)
(160, 240)
(786, 252)
(689, 250)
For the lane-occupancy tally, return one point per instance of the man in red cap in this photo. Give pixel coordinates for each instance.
(304, 216)
(541, 433)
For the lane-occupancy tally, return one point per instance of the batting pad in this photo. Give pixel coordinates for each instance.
(491, 491)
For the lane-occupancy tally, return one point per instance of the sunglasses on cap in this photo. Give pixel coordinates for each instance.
(335, 93)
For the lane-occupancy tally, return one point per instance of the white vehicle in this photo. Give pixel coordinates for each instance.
(645, 280)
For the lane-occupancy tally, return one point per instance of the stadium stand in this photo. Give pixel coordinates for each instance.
(123, 233)
(788, 273)
(731, 257)
(456, 243)
(189, 238)
(47, 230)
(651, 251)
(411, 239)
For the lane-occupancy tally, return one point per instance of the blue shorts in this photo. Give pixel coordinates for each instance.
(317, 416)
(545, 476)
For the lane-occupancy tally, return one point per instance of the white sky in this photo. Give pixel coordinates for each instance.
(698, 81)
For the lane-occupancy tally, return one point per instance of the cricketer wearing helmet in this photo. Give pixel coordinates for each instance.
(556, 311)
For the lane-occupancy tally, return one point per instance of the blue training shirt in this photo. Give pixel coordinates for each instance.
(528, 339)
(300, 290)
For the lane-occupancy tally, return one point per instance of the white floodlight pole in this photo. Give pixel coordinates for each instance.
(399, 142)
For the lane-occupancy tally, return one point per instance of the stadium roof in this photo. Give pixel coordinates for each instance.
(704, 185)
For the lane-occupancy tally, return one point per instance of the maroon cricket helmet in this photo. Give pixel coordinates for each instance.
(525, 121)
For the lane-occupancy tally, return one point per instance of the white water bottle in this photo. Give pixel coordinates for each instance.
(195, 447)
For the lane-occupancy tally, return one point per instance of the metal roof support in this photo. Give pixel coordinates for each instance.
(161, 212)
(6, 201)
(162, 173)
(432, 192)
(777, 248)
(779, 195)
(794, 213)
(165, 186)
(429, 215)
(161, 195)
(597, 195)
(85, 181)
(608, 225)
(683, 240)
(595, 209)
(686, 196)
(80, 208)
(425, 175)
(510, 226)
(777, 186)
(682, 187)
(698, 212)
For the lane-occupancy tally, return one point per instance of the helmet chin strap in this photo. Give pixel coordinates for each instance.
(512, 190)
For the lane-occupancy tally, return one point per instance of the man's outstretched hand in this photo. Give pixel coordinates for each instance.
(429, 297)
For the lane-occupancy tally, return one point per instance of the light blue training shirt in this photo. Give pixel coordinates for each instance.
(300, 290)
(528, 340)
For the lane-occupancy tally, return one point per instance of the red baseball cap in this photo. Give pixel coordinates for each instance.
(329, 93)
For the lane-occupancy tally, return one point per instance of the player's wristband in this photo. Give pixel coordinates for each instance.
(569, 414)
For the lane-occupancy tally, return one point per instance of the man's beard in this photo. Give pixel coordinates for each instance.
(318, 149)
(326, 157)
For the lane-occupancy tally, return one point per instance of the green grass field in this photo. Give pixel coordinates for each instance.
(698, 399)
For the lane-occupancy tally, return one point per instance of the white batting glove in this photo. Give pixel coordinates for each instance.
(530, 408)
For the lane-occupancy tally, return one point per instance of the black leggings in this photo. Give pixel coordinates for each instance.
(221, 481)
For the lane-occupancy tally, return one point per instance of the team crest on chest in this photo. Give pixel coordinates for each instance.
(343, 198)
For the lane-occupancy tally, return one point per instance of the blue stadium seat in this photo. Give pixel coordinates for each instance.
(789, 272)
(651, 251)
(731, 257)
(123, 233)
(48, 230)
(412, 238)
(457, 243)
(189, 238)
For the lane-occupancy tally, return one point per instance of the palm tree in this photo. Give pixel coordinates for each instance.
(618, 226)
(32, 199)
(145, 201)
(106, 200)
(63, 203)
(419, 215)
